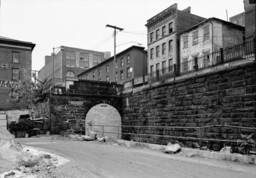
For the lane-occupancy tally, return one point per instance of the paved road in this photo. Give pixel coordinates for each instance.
(93, 159)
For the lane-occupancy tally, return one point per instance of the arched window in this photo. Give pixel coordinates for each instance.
(70, 74)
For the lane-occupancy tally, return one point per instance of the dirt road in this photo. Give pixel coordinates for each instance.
(93, 159)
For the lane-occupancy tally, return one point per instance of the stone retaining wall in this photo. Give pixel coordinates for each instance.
(224, 97)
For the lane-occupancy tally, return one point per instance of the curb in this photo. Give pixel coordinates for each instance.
(189, 152)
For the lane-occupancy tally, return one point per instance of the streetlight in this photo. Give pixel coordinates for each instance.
(53, 54)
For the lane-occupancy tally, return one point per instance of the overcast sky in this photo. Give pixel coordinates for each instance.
(81, 23)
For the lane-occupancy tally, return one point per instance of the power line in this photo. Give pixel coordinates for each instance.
(133, 32)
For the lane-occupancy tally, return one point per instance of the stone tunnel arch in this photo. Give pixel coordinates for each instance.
(104, 119)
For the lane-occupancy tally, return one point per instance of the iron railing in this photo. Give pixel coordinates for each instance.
(242, 51)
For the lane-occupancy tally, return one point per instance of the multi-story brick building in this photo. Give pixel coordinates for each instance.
(163, 38)
(62, 68)
(199, 42)
(250, 19)
(15, 56)
(130, 63)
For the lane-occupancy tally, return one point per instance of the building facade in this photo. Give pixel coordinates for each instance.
(15, 56)
(62, 67)
(163, 38)
(238, 19)
(130, 63)
(250, 19)
(200, 41)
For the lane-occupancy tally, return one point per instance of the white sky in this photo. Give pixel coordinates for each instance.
(81, 23)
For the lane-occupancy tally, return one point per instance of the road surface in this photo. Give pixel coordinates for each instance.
(99, 160)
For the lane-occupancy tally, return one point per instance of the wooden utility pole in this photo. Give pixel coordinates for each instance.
(115, 28)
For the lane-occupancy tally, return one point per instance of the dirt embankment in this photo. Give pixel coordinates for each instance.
(19, 161)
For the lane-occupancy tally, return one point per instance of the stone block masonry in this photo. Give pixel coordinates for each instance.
(74, 105)
(224, 97)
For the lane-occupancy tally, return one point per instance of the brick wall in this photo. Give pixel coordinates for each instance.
(226, 97)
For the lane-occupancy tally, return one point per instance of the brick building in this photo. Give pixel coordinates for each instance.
(200, 41)
(163, 30)
(129, 64)
(250, 19)
(15, 55)
(68, 62)
(238, 19)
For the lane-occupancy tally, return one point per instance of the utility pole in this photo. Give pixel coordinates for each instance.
(115, 28)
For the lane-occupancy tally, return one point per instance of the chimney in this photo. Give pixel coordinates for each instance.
(188, 10)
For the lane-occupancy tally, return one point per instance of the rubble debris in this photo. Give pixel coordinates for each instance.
(102, 139)
(87, 138)
(172, 148)
(226, 149)
(195, 145)
(93, 134)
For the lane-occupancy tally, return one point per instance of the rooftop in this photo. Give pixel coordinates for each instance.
(8, 40)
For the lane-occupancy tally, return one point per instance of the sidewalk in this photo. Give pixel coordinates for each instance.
(189, 152)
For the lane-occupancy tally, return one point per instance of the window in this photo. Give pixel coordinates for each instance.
(157, 67)
(68, 55)
(97, 59)
(185, 42)
(206, 33)
(157, 34)
(84, 64)
(157, 51)
(107, 68)
(93, 74)
(72, 55)
(121, 75)
(185, 65)
(70, 74)
(163, 48)
(163, 67)
(151, 37)
(206, 61)
(122, 61)
(151, 53)
(170, 65)
(128, 59)
(15, 57)
(99, 71)
(151, 69)
(84, 60)
(107, 78)
(15, 74)
(128, 74)
(116, 77)
(71, 63)
(195, 62)
(195, 37)
(163, 31)
(170, 46)
(170, 27)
